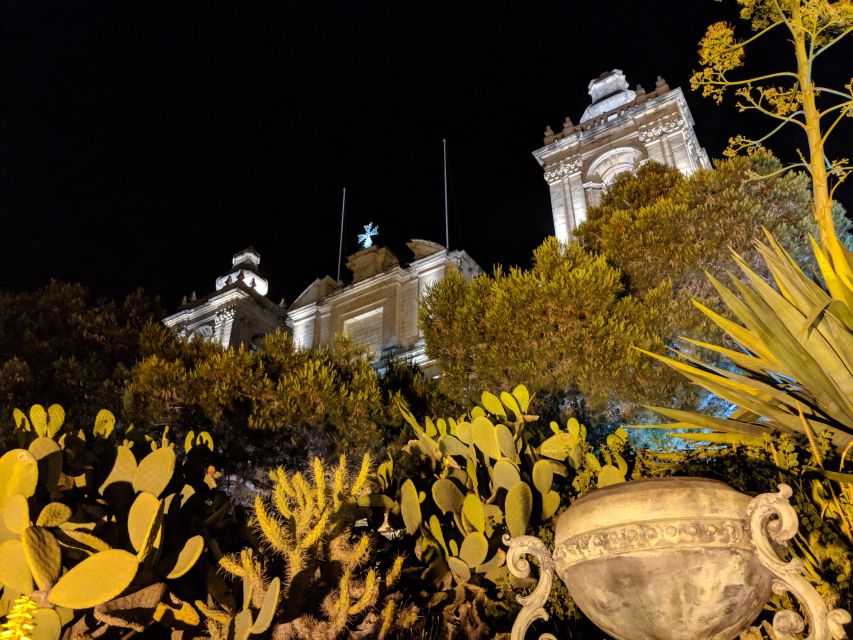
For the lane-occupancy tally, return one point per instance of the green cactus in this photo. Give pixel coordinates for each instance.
(54, 514)
(543, 476)
(494, 474)
(154, 471)
(474, 548)
(18, 474)
(519, 505)
(16, 514)
(326, 578)
(473, 513)
(105, 422)
(485, 437)
(98, 578)
(446, 496)
(411, 506)
(43, 556)
(68, 554)
(14, 571)
(504, 475)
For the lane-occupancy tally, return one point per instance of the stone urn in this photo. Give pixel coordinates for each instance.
(674, 559)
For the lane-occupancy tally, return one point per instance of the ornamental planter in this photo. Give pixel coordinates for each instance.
(674, 559)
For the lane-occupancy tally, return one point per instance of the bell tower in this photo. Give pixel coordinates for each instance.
(621, 129)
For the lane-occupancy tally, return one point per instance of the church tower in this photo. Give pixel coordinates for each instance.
(620, 130)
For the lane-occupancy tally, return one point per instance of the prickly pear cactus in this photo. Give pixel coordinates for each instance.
(491, 472)
(89, 517)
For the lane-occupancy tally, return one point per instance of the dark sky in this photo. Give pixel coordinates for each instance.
(142, 144)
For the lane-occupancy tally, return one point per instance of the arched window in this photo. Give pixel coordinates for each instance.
(606, 167)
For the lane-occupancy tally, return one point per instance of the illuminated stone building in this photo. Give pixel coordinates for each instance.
(380, 308)
(620, 130)
(237, 312)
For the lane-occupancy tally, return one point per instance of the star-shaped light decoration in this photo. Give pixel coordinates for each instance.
(366, 239)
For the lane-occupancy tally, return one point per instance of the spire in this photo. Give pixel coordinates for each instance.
(244, 269)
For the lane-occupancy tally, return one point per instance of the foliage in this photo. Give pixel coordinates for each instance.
(58, 342)
(658, 223)
(563, 325)
(470, 481)
(795, 373)
(327, 565)
(103, 530)
(792, 381)
(791, 96)
(567, 324)
(278, 405)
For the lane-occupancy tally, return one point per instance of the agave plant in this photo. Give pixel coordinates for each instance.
(795, 372)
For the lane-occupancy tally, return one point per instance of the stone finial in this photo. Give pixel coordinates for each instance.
(568, 124)
(282, 304)
(660, 83)
(183, 301)
(640, 90)
(193, 297)
(548, 131)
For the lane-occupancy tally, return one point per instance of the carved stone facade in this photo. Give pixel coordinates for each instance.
(380, 308)
(618, 132)
(237, 313)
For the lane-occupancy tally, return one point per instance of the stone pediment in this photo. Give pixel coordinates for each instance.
(370, 262)
(315, 292)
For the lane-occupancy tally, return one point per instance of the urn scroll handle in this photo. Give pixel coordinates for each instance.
(773, 520)
(532, 609)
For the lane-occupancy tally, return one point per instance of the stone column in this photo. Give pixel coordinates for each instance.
(568, 205)
(223, 324)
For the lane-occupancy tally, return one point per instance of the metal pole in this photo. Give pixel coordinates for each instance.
(341, 245)
(446, 215)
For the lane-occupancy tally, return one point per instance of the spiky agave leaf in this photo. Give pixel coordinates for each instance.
(796, 374)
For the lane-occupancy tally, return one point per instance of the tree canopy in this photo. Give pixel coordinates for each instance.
(60, 344)
(568, 324)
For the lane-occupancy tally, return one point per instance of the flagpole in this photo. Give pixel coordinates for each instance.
(446, 222)
(341, 244)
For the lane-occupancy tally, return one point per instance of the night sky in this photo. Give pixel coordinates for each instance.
(142, 144)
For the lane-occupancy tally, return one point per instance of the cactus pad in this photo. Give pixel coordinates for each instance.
(504, 475)
(437, 533)
(144, 521)
(550, 504)
(188, 556)
(155, 471)
(472, 509)
(521, 394)
(459, 568)
(410, 506)
(447, 495)
(16, 514)
(43, 555)
(124, 469)
(14, 571)
(610, 475)
(518, 506)
(543, 476)
(47, 625)
(18, 474)
(105, 422)
(474, 549)
(485, 438)
(98, 579)
(506, 442)
(54, 514)
(491, 403)
(267, 612)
